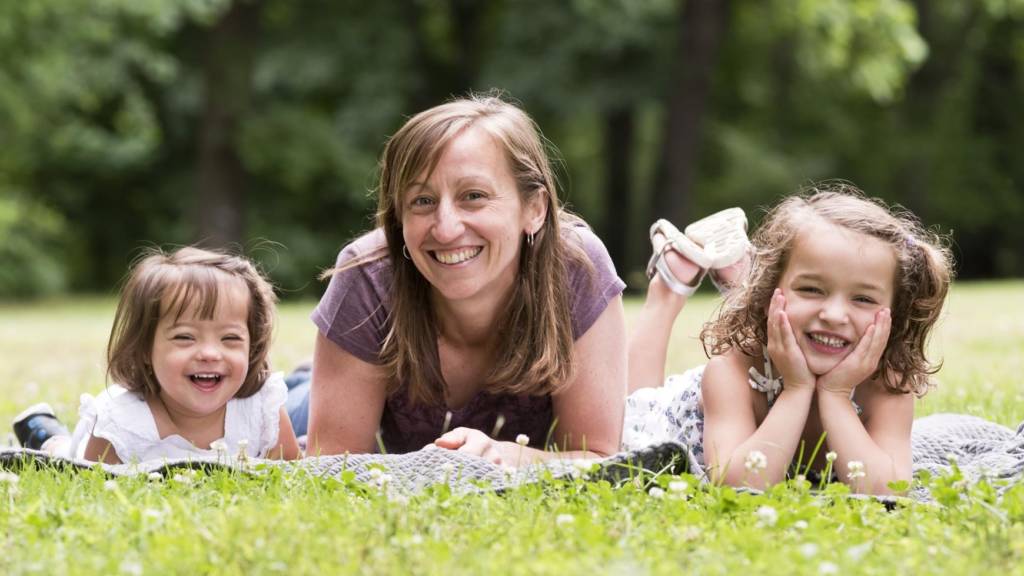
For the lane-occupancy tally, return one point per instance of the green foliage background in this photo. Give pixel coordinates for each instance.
(104, 104)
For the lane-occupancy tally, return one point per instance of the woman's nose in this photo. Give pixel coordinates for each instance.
(448, 225)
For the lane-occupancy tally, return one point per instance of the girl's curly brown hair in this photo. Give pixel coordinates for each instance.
(923, 274)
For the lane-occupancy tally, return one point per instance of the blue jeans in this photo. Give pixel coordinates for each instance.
(298, 398)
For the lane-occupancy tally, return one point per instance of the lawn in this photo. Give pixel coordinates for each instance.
(54, 523)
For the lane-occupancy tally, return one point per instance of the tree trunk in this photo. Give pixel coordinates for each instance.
(227, 72)
(618, 153)
(702, 27)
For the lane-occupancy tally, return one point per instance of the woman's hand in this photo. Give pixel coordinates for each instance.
(863, 361)
(783, 349)
(475, 442)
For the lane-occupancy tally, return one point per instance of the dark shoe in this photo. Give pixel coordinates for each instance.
(37, 424)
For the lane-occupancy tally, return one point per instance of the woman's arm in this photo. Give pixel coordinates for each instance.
(346, 401)
(287, 447)
(588, 412)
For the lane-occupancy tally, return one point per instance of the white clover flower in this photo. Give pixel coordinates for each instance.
(856, 469)
(155, 476)
(767, 516)
(133, 567)
(951, 458)
(678, 486)
(522, 439)
(828, 568)
(9, 478)
(183, 479)
(110, 485)
(219, 446)
(831, 456)
(857, 552)
(242, 445)
(564, 519)
(376, 473)
(656, 492)
(584, 466)
(447, 468)
(756, 461)
(800, 524)
(809, 550)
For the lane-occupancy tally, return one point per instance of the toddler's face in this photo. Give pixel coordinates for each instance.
(835, 282)
(201, 364)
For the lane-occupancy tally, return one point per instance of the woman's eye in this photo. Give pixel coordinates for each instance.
(421, 201)
(475, 195)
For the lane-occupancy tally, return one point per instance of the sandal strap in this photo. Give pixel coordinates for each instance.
(675, 240)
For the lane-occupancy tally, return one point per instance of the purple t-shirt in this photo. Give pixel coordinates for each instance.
(354, 311)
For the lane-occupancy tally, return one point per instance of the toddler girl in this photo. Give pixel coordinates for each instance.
(823, 336)
(188, 350)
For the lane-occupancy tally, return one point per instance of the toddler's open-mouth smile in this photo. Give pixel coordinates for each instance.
(206, 381)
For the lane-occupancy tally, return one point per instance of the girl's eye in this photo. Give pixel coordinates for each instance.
(864, 300)
(809, 290)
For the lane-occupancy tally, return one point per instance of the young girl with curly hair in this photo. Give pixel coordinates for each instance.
(822, 334)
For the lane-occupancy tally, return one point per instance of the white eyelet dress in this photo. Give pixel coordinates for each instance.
(123, 418)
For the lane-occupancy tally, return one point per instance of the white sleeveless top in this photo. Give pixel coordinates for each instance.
(123, 418)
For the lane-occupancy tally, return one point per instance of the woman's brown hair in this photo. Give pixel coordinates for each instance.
(534, 352)
(923, 274)
(187, 279)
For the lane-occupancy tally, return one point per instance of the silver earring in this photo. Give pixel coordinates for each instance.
(405, 252)
(529, 238)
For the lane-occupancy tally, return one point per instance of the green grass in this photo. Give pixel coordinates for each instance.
(54, 523)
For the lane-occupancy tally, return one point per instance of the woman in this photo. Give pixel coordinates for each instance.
(478, 312)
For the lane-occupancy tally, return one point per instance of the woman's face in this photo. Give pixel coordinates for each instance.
(463, 226)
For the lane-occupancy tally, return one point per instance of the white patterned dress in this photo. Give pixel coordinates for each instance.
(674, 412)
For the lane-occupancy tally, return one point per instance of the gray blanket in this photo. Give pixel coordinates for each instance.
(980, 449)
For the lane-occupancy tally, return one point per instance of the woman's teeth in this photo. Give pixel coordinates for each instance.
(830, 341)
(457, 256)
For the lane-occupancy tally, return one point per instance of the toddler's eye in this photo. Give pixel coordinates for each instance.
(182, 337)
(234, 337)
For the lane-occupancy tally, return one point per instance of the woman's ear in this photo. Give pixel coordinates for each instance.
(535, 211)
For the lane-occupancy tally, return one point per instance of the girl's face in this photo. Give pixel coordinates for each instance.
(201, 364)
(463, 226)
(834, 283)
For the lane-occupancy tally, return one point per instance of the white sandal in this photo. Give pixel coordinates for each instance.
(685, 247)
(723, 237)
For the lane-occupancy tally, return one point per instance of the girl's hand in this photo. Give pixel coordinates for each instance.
(863, 361)
(783, 349)
(475, 442)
